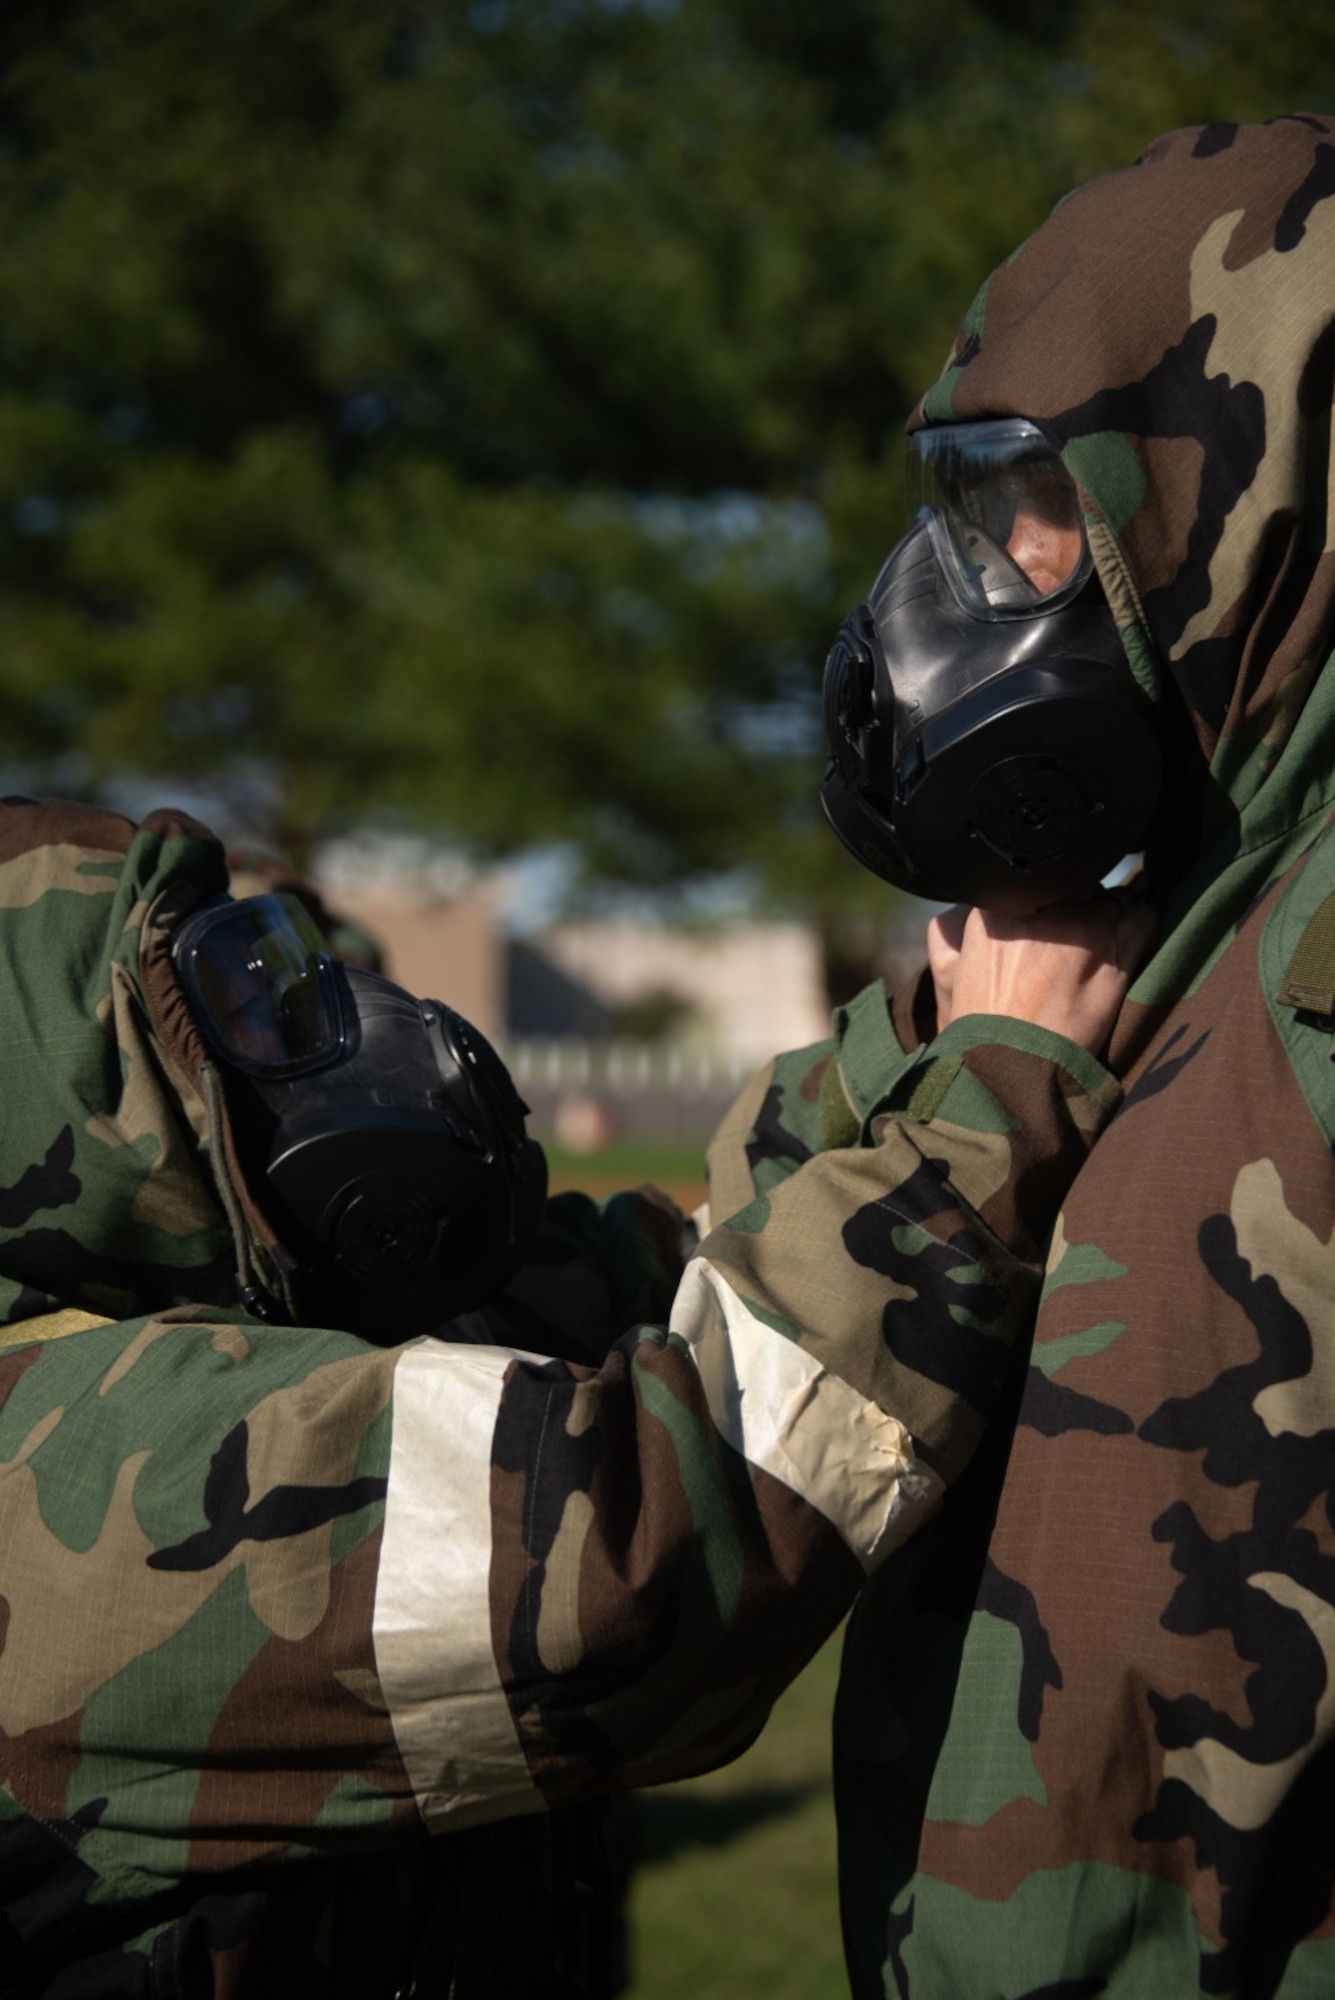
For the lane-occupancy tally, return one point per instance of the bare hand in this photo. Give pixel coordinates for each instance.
(1066, 967)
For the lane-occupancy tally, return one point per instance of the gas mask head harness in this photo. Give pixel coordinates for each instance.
(986, 740)
(383, 1134)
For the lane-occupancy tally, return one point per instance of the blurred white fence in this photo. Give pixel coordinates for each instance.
(566, 1063)
(647, 1088)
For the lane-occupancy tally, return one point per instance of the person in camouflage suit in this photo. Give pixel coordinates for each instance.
(1085, 1732)
(278, 1603)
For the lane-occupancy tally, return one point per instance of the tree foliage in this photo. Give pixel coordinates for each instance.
(484, 414)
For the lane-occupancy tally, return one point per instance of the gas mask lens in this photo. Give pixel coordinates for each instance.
(261, 984)
(1003, 513)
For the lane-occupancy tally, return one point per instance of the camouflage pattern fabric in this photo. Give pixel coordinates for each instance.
(102, 1200)
(1085, 1735)
(307, 1646)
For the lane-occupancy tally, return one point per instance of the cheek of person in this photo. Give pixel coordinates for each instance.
(1046, 550)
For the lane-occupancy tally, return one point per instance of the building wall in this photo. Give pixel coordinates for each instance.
(756, 988)
(440, 948)
(753, 988)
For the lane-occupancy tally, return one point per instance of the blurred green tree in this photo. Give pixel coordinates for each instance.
(483, 414)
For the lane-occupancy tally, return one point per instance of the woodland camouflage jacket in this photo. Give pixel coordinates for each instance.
(276, 1605)
(1085, 1738)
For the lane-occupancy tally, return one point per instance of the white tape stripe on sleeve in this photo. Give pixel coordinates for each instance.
(776, 1405)
(432, 1611)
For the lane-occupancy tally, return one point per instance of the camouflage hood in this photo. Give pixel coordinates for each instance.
(106, 1196)
(1172, 327)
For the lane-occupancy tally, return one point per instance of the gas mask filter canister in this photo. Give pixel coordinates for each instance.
(987, 743)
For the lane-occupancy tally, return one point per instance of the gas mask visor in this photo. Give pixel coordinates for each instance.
(260, 981)
(1004, 516)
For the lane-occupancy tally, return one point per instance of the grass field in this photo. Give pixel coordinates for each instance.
(676, 1165)
(735, 1895)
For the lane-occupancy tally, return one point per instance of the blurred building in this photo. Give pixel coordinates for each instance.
(742, 991)
(445, 947)
(658, 1024)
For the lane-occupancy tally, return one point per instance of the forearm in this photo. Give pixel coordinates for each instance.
(848, 1335)
(936, 1228)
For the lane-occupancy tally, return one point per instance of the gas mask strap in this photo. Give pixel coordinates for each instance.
(255, 1293)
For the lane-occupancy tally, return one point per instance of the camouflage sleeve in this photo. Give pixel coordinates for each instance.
(812, 1098)
(270, 1591)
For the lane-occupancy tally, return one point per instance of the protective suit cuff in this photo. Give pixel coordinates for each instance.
(944, 1079)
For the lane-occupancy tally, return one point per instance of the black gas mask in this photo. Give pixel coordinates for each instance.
(987, 742)
(383, 1134)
